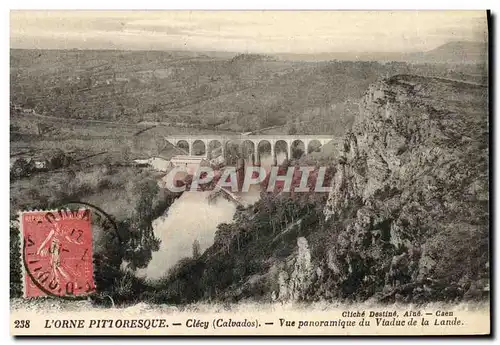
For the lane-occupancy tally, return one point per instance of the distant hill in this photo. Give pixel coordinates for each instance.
(455, 52)
(461, 52)
(240, 93)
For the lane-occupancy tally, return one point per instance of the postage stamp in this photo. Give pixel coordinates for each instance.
(57, 253)
(250, 173)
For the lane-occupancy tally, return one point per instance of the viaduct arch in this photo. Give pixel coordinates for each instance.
(310, 143)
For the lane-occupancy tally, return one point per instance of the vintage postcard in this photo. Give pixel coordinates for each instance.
(249, 173)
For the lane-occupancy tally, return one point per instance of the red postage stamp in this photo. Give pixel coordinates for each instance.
(57, 253)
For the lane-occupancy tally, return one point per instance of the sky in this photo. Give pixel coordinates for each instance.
(246, 31)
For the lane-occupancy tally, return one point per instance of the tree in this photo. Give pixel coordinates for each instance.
(22, 167)
(16, 284)
(196, 249)
(60, 160)
(141, 238)
(292, 129)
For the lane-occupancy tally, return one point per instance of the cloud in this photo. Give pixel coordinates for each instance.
(254, 31)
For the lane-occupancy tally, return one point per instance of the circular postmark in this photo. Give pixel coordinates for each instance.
(63, 247)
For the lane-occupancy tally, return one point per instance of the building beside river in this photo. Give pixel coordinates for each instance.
(189, 163)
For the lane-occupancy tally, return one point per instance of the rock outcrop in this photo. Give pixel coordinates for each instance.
(294, 282)
(411, 191)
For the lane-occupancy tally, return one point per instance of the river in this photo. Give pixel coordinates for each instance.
(191, 217)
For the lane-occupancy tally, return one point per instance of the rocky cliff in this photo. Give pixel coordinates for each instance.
(411, 192)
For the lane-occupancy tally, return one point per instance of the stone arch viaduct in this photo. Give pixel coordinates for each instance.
(255, 140)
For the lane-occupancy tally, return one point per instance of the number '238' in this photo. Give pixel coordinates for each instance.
(21, 323)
